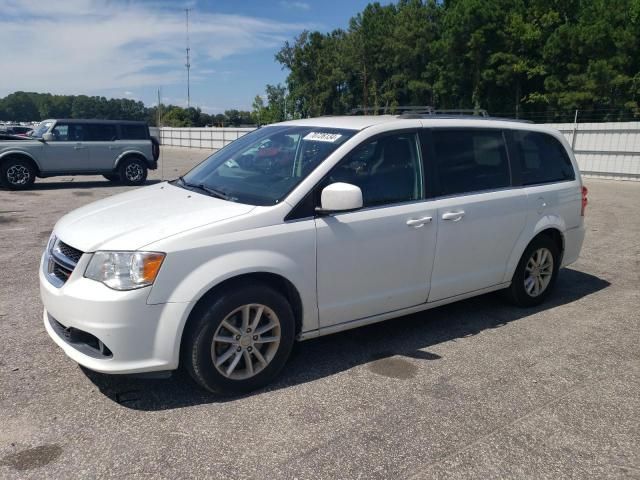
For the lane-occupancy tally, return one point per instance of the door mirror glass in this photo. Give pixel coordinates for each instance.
(47, 137)
(341, 197)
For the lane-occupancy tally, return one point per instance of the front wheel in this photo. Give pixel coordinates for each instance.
(17, 174)
(132, 171)
(239, 341)
(536, 273)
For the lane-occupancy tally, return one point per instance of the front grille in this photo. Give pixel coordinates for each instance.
(61, 261)
(60, 272)
(68, 251)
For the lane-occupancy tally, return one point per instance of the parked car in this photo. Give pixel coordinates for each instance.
(122, 151)
(307, 228)
(11, 136)
(20, 130)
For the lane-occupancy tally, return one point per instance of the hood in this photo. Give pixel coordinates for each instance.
(134, 219)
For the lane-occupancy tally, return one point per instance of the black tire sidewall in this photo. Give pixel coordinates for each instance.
(196, 349)
(517, 291)
(4, 168)
(122, 171)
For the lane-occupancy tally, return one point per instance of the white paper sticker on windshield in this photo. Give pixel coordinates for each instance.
(322, 137)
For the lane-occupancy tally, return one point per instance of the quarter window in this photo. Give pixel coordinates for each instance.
(542, 158)
(387, 170)
(134, 132)
(470, 160)
(101, 132)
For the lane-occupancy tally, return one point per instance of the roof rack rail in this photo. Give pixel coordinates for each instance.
(418, 110)
(391, 110)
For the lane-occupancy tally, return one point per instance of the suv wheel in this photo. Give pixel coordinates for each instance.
(112, 177)
(132, 172)
(240, 341)
(536, 273)
(17, 174)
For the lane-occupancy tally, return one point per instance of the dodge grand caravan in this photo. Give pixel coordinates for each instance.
(307, 228)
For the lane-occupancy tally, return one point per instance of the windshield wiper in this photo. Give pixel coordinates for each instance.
(211, 191)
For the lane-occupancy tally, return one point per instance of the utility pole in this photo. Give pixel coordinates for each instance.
(188, 64)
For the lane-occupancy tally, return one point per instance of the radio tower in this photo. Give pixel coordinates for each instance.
(188, 64)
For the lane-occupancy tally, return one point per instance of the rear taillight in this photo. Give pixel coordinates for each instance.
(585, 200)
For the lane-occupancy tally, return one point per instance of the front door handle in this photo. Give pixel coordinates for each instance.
(79, 147)
(418, 222)
(453, 216)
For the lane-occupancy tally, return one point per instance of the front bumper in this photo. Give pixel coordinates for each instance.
(110, 331)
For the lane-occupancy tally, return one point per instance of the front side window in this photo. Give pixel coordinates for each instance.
(542, 158)
(387, 170)
(63, 132)
(262, 167)
(470, 160)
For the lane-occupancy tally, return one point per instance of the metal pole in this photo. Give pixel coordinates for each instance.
(188, 64)
(575, 131)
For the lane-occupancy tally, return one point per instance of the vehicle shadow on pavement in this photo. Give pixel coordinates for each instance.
(409, 336)
(68, 184)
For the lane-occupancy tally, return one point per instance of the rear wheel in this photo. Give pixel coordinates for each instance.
(17, 174)
(240, 341)
(132, 171)
(536, 273)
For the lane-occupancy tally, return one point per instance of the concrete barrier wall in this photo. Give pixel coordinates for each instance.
(608, 150)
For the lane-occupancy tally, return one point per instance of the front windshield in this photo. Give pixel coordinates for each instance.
(262, 167)
(41, 129)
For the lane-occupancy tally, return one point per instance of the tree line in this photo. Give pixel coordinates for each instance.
(537, 59)
(28, 106)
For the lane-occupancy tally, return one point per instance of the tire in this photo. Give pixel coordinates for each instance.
(525, 291)
(132, 171)
(211, 322)
(17, 174)
(112, 177)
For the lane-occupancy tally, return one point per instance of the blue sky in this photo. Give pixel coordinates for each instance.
(120, 48)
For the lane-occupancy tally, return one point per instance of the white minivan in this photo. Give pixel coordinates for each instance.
(307, 228)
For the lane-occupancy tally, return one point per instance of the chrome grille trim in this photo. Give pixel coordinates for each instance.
(60, 262)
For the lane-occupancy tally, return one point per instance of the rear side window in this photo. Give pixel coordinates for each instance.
(96, 132)
(470, 160)
(542, 158)
(134, 132)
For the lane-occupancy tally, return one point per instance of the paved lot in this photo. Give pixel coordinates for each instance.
(476, 389)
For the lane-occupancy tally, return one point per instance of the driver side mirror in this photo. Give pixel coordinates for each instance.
(47, 137)
(340, 197)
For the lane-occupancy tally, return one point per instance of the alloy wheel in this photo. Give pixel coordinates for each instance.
(133, 172)
(246, 341)
(538, 272)
(18, 175)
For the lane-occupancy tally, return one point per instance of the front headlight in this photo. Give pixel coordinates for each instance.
(124, 270)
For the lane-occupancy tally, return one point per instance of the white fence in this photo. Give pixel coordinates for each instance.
(210, 138)
(608, 150)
